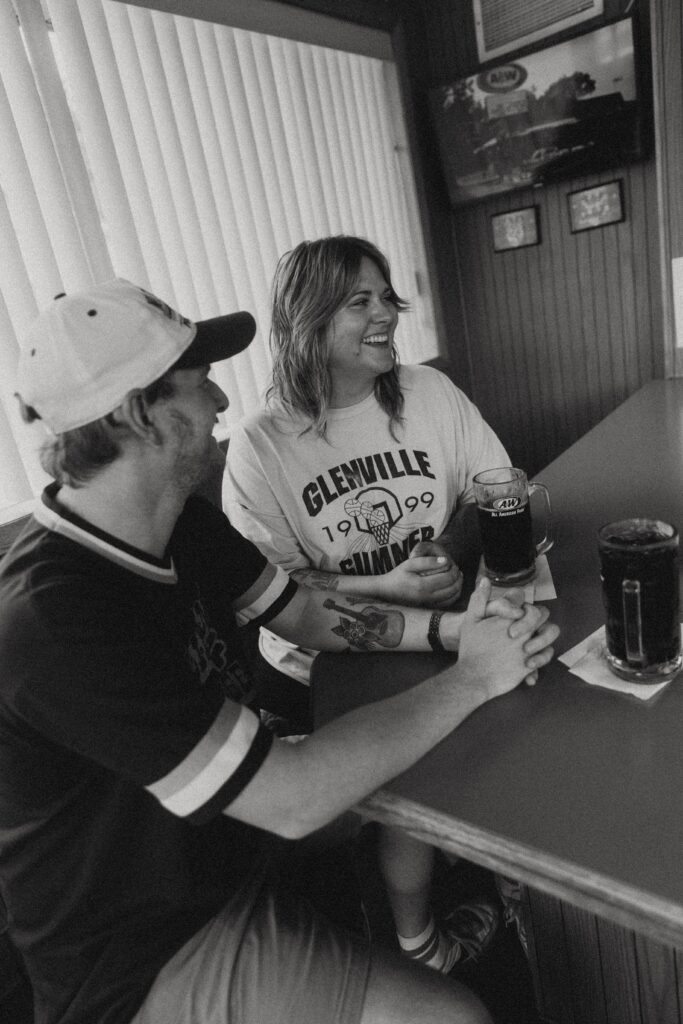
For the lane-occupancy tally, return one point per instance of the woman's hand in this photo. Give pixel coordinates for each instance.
(428, 578)
(509, 605)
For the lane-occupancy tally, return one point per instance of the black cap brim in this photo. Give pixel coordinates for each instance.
(217, 339)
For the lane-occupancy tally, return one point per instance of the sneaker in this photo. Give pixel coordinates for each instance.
(511, 893)
(471, 927)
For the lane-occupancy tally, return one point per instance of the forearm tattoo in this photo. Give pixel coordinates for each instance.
(370, 627)
(316, 579)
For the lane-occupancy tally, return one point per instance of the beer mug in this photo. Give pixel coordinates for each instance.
(502, 496)
(640, 592)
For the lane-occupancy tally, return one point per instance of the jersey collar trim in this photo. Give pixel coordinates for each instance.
(49, 514)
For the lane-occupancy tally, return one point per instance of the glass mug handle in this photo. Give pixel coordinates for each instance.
(633, 626)
(547, 540)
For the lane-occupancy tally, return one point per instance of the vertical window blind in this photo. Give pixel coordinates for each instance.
(186, 157)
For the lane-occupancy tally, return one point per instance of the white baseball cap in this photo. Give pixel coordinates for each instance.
(86, 351)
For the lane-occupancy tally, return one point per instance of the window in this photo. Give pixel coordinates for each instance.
(187, 157)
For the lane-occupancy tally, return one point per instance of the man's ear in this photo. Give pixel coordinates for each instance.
(136, 413)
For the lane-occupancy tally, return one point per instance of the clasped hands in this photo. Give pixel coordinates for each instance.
(527, 623)
(432, 573)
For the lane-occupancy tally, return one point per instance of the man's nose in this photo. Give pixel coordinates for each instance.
(219, 397)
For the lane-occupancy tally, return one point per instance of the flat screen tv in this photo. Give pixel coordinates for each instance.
(564, 111)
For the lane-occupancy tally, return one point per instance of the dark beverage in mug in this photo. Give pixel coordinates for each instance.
(507, 539)
(502, 495)
(640, 591)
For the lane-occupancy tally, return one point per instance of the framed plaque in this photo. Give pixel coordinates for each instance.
(595, 207)
(515, 229)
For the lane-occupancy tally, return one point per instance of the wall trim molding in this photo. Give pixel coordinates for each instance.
(280, 19)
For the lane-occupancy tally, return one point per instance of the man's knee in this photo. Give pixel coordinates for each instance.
(400, 992)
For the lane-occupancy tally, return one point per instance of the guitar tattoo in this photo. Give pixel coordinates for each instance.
(372, 627)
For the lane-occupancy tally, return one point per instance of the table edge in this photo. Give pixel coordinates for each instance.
(591, 891)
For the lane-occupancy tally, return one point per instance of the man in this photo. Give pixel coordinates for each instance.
(142, 802)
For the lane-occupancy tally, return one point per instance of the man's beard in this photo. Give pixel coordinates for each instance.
(193, 459)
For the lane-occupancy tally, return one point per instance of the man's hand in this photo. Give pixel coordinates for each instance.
(497, 653)
(511, 605)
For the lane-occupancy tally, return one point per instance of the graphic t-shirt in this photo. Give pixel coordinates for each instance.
(125, 731)
(359, 500)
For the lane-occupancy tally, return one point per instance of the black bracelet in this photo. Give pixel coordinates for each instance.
(433, 632)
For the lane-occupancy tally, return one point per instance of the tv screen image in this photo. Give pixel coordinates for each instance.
(563, 111)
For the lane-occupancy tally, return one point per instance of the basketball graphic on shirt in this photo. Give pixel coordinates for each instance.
(374, 511)
(355, 508)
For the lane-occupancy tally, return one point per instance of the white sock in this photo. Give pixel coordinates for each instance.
(431, 948)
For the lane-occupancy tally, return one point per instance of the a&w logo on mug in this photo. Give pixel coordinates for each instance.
(506, 504)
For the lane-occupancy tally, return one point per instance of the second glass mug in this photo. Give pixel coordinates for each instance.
(640, 592)
(502, 497)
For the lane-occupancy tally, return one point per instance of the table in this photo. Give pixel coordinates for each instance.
(573, 789)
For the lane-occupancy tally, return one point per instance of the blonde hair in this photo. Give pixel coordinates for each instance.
(311, 283)
(77, 455)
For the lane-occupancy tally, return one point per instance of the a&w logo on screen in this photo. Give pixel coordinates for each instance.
(506, 504)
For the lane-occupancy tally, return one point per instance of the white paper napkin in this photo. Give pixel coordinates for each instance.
(545, 588)
(541, 588)
(587, 660)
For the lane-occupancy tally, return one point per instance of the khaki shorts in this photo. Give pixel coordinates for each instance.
(267, 958)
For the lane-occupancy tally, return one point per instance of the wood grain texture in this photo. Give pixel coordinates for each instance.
(619, 968)
(589, 969)
(668, 46)
(550, 962)
(658, 985)
(585, 968)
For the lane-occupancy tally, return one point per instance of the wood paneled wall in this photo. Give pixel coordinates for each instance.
(667, 19)
(552, 337)
(561, 332)
(667, 37)
(590, 971)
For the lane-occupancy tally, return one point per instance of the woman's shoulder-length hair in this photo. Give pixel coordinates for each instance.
(311, 283)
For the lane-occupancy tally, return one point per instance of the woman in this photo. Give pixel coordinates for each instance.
(346, 478)
(354, 460)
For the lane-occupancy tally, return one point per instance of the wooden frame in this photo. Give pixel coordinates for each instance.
(515, 229)
(597, 206)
